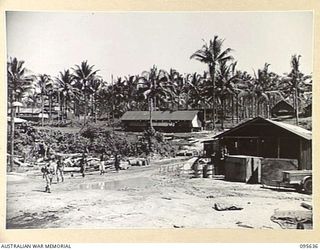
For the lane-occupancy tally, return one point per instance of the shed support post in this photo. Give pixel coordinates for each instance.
(278, 147)
(300, 156)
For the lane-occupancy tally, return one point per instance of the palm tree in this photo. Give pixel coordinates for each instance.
(44, 82)
(212, 54)
(67, 92)
(32, 100)
(225, 88)
(96, 84)
(130, 91)
(266, 89)
(119, 96)
(104, 98)
(175, 87)
(296, 80)
(18, 82)
(198, 92)
(192, 89)
(151, 86)
(243, 87)
(84, 75)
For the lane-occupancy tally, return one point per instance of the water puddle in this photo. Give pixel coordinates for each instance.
(131, 183)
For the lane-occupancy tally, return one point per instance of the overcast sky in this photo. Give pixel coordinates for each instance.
(131, 42)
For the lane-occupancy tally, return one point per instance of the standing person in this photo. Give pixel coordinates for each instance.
(47, 172)
(101, 166)
(42, 150)
(49, 152)
(60, 168)
(83, 165)
(117, 162)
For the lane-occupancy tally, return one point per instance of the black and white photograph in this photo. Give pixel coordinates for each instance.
(159, 120)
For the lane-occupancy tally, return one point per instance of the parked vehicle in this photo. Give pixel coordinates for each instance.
(301, 180)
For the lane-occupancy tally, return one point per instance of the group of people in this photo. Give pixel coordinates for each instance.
(52, 168)
(55, 167)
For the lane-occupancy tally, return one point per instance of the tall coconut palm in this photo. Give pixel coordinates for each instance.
(193, 90)
(212, 54)
(51, 92)
(225, 86)
(18, 82)
(96, 84)
(266, 89)
(67, 91)
(151, 86)
(43, 83)
(119, 96)
(32, 100)
(104, 98)
(130, 91)
(84, 75)
(174, 87)
(199, 95)
(297, 81)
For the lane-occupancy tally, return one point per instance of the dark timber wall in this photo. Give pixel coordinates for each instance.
(271, 169)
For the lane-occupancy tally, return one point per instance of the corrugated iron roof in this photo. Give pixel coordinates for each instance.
(304, 133)
(181, 115)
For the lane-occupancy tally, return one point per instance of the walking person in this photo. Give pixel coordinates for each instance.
(102, 166)
(83, 163)
(47, 172)
(117, 162)
(59, 171)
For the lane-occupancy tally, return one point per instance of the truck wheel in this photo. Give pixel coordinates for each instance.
(307, 186)
(299, 188)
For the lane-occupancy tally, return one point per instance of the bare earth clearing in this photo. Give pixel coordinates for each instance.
(142, 197)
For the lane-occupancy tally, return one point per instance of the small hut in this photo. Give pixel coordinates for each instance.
(282, 108)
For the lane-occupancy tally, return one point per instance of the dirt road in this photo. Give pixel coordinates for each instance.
(142, 198)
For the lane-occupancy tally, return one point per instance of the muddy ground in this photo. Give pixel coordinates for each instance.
(142, 197)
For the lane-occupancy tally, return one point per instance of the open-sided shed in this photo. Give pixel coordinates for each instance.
(269, 139)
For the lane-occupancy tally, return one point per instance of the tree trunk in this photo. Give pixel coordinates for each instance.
(85, 109)
(95, 108)
(12, 133)
(297, 105)
(59, 109)
(213, 71)
(232, 109)
(66, 110)
(150, 112)
(237, 108)
(42, 109)
(222, 113)
(50, 108)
